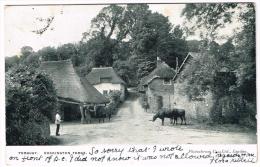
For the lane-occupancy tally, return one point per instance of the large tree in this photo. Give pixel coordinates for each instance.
(104, 35)
(154, 36)
(48, 54)
(30, 100)
(26, 51)
(237, 54)
(133, 33)
(209, 18)
(26, 55)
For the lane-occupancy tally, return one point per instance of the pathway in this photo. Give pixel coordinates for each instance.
(132, 125)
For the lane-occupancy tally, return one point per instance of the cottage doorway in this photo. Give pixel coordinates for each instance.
(158, 102)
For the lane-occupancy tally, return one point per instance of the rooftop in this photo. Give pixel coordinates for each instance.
(104, 74)
(162, 70)
(68, 84)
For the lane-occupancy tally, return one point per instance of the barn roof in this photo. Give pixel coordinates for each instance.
(69, 85)
(162, 70)
(97, 74)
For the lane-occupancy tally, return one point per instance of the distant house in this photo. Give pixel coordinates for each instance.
(105, 80)
(158, 87)
(72, 91)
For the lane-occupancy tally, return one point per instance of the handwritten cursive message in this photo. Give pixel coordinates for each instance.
(106, 154)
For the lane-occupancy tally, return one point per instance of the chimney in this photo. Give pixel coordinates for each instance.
(177, 64)
(158, 62)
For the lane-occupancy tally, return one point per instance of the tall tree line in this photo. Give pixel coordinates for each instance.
(127, 37)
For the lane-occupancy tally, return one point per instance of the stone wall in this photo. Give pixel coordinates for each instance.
(153, 97)
(196, 109)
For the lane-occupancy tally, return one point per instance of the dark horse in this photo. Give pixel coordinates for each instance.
(172, 114)
(102, 113)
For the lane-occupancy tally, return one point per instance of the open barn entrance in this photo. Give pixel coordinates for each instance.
(71, 112)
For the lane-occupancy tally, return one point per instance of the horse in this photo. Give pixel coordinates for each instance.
(101, 114)
(172, 114)
(108, 112)
(179, 113)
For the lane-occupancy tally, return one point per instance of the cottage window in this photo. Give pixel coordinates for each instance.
(105, 92)
(167, 81)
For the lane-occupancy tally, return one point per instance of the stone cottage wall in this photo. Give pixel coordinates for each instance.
(152, 97)
(198, 110)
(157, 89)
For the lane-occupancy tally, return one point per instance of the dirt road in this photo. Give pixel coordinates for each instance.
(132, 125)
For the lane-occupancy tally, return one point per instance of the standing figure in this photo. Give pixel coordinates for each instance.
(87, 114)
(57, 122)
(81, 108)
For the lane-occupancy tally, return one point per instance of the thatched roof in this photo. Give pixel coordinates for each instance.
(162, 70)
(93, 91)
(68, 83)
(190, 55)
(107, 73)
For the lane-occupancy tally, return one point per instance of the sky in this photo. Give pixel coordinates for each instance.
(70, 21)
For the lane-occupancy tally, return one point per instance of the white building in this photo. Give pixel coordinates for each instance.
(105, 80)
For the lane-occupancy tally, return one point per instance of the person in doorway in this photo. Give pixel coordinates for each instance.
(83, 119)
(57, 122)
(87, 114)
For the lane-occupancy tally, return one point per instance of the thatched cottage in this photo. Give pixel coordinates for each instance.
(158, 87)
(105, 80)
(72, 91)
(164, 87)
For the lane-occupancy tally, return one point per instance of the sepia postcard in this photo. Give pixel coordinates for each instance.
(144, 83)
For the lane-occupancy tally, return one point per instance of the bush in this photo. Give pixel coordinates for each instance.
(248, 116)
(35, 131)
(233, 108)
(30, 99)
(115, 101)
